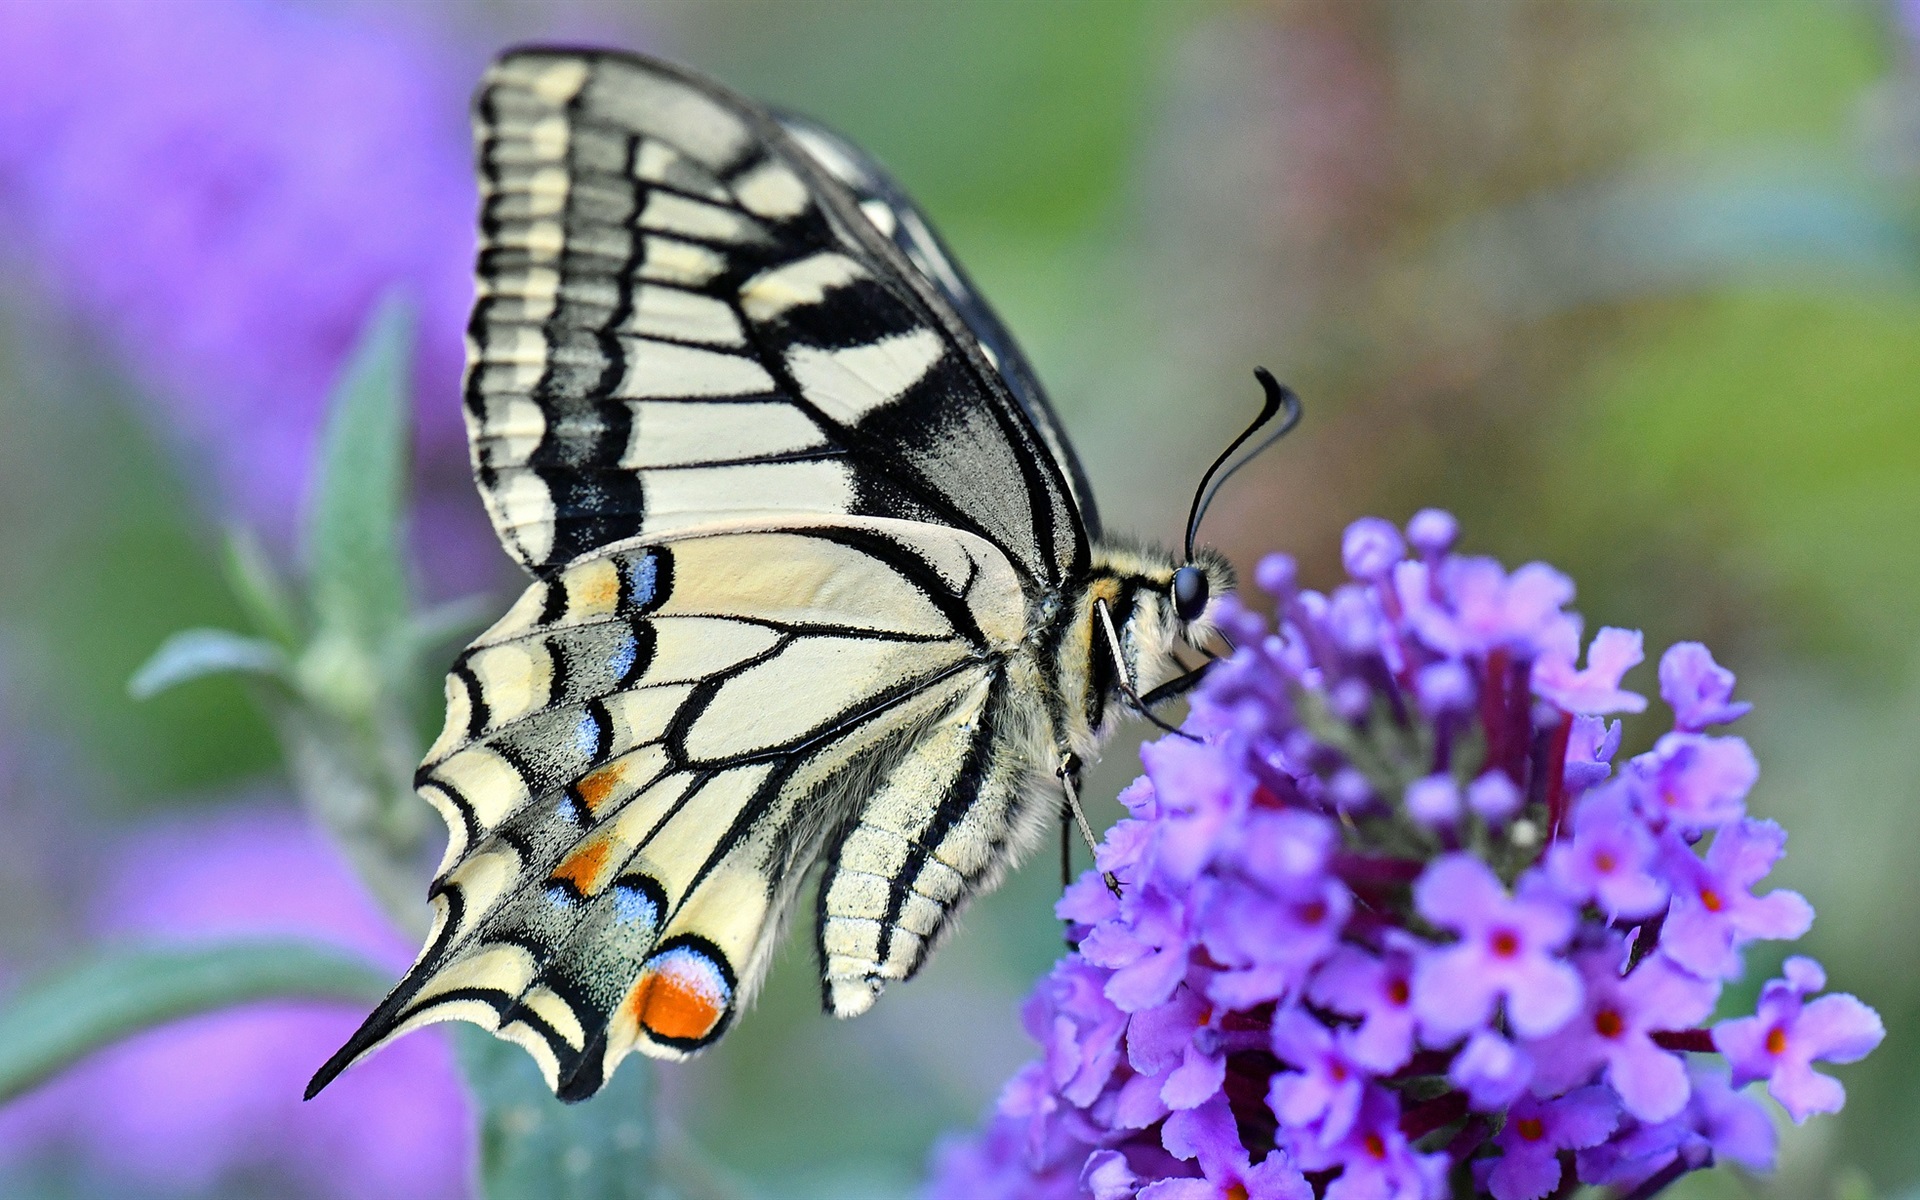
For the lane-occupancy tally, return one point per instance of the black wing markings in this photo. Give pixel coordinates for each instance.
(552, 787)
(923, 247)
(600, 508)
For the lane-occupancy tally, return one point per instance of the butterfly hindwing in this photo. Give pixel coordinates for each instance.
(684, 318)
(643, 757)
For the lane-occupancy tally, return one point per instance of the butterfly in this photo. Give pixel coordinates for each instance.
(819, 585)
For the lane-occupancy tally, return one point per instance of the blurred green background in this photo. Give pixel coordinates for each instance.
(1629, 287)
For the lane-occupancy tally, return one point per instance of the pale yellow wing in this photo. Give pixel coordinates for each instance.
(642, 760)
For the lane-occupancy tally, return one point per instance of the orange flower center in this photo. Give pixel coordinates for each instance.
(1608, 1023)
(1505, 942)
(1711, 900)
(1530, 1128)
(1398, 993)
(1776, 1041)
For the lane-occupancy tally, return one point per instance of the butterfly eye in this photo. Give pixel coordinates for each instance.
(1189, 593)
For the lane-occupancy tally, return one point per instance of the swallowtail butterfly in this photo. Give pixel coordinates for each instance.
(818, 582)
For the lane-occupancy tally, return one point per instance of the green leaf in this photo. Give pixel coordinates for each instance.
(269, 603)
(55, 1021)
(197, 653)
(533, 1147)
(353, 537)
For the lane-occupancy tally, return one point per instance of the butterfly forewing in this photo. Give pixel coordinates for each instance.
(683, 318)
(893, 214)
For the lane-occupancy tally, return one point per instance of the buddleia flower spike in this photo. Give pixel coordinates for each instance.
(1402, 923)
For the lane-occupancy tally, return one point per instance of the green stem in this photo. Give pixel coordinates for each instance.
(55, 1021)
(532, 1147)
(358, 787)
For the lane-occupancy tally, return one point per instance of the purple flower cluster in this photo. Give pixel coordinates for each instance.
(1395, 925)
(229, 190)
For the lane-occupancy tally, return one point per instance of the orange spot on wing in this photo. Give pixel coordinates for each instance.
(598, 785)
(680, 1004)
(600, 589)
(582, 867)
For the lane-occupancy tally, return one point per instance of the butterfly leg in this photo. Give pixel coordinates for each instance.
(1066, 846)
(1069, 776)
(1180, 685)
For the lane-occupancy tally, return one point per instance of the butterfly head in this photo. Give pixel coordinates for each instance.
(1192, 591)
(1156, 604)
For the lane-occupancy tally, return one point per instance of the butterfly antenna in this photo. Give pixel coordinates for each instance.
(1280, 399)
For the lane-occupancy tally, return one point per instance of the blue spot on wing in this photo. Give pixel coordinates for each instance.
(622, 660)
(586, 735)
(634, 906)
(643, 578)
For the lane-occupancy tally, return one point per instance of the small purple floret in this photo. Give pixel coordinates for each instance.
(1787, 1035)
(1491, 1070)
(1434, 801)
(1507, 950)
(1378, 990)
(1370, 548)
(1208, 1136)
(1173, 1043)
(1277, 576)
(1610, 859)
(1715, 912)
(1149, 959)
(1495, 798)
(1488, 609)
(1694, 782)
(1596, 690)
(1538, 1130)
(1376, 1160)
(1591, 745)
(1719, 1124)
(1615, 1031)
(1433, 532)
(1699, 690)
(1444, 687)
(1318, 1085)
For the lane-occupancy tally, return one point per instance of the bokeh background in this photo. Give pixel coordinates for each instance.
(1634, 288)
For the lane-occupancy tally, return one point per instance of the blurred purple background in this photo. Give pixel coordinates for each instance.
(1629, 287)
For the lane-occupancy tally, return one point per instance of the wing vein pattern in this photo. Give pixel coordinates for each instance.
(791, 498)
(685, 316)
(644, 756)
